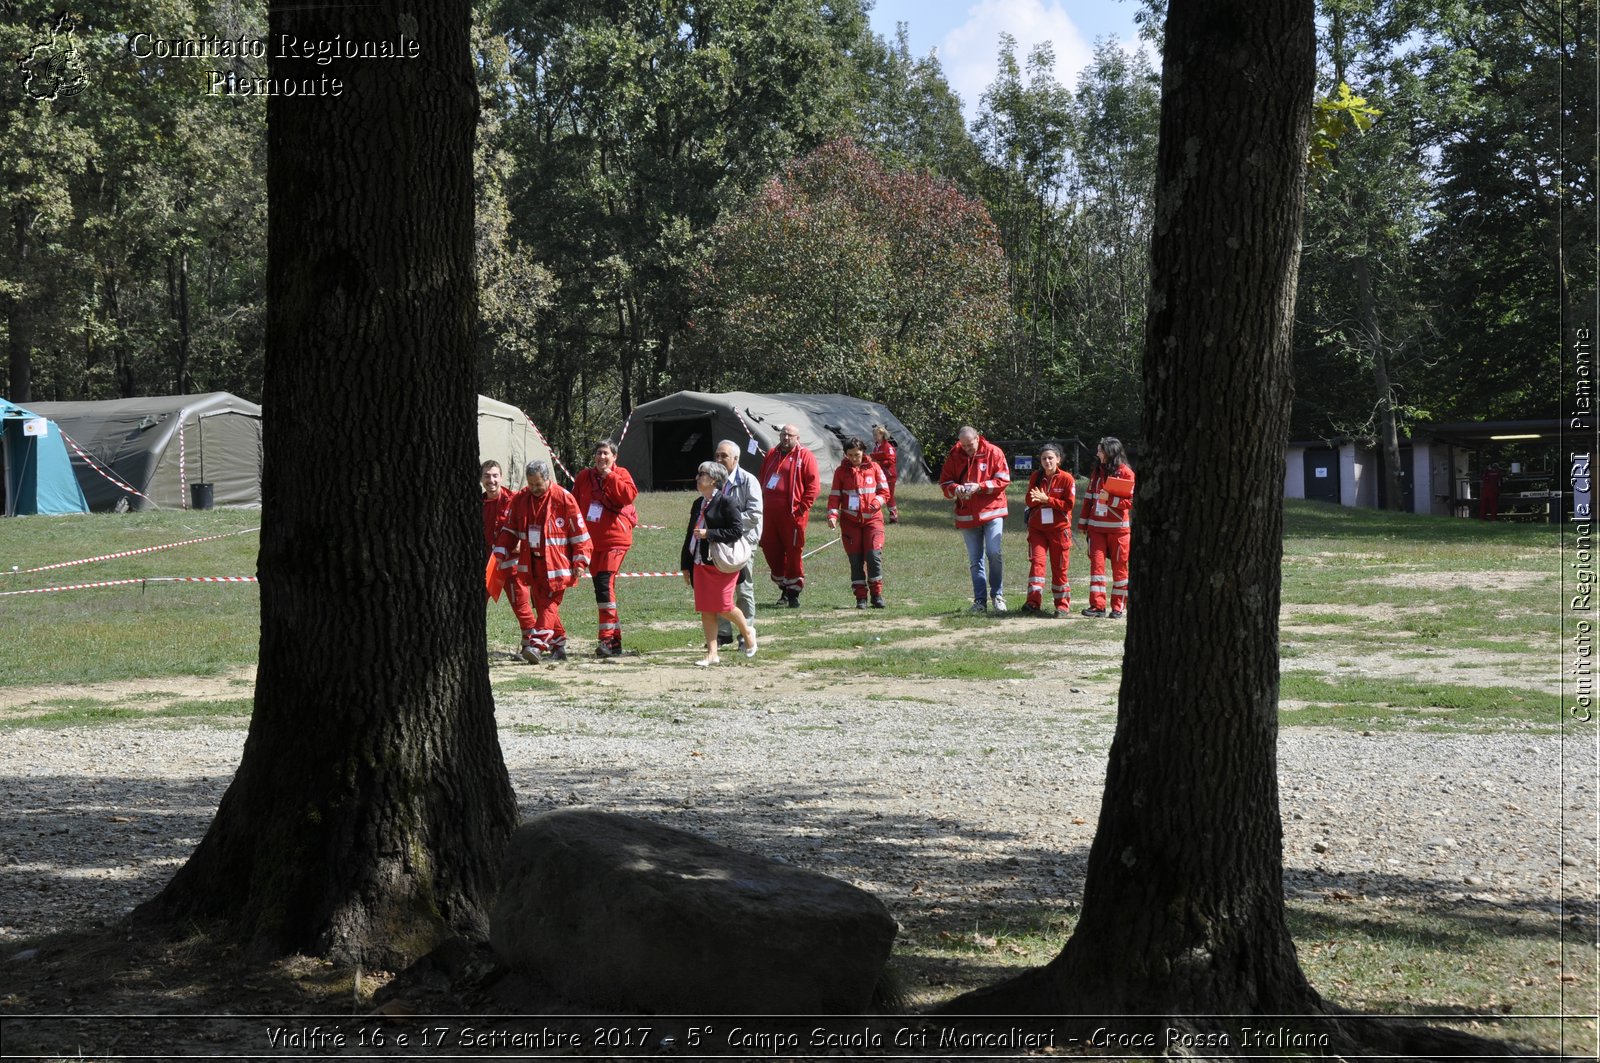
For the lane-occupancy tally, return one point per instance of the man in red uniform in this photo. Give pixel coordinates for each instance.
(855, 506)
(496, 506)
(976, 474)
(605, 492)
(1107, 523)
(789, 486)
(1051, 495)
(545, 541)
(884, 457)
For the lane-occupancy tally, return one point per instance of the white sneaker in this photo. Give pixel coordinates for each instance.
(999, 603)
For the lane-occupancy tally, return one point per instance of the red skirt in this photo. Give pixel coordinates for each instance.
(713, 589)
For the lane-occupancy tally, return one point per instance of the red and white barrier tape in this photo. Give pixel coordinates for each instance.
(141, 580)
(570, 478)
(759, 448)
(819, 549)
(624, 433)
(96, 466)
(128, 553)
(640, 575)
(183, 464)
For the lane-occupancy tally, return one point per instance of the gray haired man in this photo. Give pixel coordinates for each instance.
(746, 494)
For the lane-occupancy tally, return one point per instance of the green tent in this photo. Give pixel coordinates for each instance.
(164, 447)
(38, 473)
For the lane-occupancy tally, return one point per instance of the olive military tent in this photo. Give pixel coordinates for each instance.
(666, 440)
(506, 435)
(153, 451)
(38, 473)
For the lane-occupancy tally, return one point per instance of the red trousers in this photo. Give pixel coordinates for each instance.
(606, 565)
(516, 596)
(540, 620)
(1114, 545)
(863, 546)
(1052, 545)
(783, 541)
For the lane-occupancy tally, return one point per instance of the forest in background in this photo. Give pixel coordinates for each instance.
(771, 197)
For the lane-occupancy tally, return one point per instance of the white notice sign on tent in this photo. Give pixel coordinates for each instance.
(36, 426)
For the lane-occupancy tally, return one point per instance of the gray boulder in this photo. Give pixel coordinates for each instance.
(614, 909)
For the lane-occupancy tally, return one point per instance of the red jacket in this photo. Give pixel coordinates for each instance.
(1062, 490)
(988, 468)
(884, 457)
(551, 525)
(495, 509)
(799, 467)
(866, 485)
(1111, 512)
(607, 506)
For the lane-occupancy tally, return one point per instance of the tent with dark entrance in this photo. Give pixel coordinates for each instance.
(38, 474)
(172, 451)
(666, 440)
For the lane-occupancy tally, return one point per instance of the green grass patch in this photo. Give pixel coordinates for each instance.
(1386, 703)
(88, 712)
(947, 662)
(531, 681)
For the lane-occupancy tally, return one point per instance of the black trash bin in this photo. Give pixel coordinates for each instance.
(201, 496)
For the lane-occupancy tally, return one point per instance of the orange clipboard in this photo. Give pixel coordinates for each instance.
(1119, 487)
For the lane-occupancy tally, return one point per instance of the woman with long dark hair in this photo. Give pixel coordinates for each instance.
(1106, 522)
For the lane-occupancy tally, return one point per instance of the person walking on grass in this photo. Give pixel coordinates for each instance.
(855, 507)
(885, 457)
(713, 519)
(789, 486)
(1050, 496)
(1107, 522)
(605, 492)
(976, 475)
(546, 544)
(496, 507)
(745, 492)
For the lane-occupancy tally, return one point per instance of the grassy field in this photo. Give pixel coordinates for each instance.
(1483, 596)
(1479, 603)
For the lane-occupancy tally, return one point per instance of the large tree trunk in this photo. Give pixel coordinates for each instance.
(372, 805)
(1183, 906)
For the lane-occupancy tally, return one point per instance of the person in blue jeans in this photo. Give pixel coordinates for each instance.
(975, 475)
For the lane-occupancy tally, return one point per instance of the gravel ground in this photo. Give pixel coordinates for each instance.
(972, 799)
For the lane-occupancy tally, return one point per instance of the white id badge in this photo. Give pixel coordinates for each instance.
(1047, 515)
(594, 511)
(533, 538)
(772, 482)
(855, 503)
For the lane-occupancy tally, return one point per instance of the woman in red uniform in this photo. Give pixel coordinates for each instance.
(605, 492)
(1106, 521)
(1051, 494)
(884, 457)
(855, 507)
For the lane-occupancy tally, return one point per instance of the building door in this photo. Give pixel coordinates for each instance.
(1322, 474)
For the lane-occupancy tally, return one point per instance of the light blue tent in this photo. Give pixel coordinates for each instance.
(38, 473)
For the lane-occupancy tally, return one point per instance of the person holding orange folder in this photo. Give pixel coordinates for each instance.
(1106, 521)
(496, 508)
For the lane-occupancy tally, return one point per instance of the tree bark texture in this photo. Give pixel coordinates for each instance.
(369, 814)
(1183, 907)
